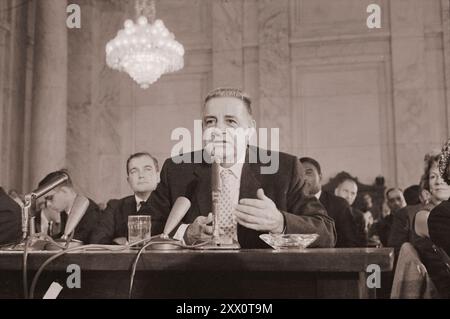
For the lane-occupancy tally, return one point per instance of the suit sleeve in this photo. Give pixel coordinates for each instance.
(352, 229)
(439, 226)
(306, 215)
(10, 220)
(103, 233)
(399, 231)
(160, 200)
(87, 224)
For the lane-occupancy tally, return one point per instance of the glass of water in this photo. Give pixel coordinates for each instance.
(139, 228)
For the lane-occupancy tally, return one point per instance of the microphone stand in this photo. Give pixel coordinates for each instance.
(216, 243)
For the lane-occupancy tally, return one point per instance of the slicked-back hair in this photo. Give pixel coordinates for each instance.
(393, 189)
(53, 175)
(141, 154)
(231, 92)
(313, 162)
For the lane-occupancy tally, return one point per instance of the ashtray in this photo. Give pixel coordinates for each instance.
(289, 241)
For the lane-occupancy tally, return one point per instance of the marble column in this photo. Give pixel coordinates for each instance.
(274, 69)
(3, 168)
(49, 97)
(445, 14)
(227, 43)
(409, 85)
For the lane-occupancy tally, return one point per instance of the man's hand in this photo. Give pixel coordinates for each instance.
(260, 214)
(200, 230)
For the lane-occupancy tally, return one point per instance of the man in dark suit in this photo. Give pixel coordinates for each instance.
(61, 199)
(336, 207)
(10, 219)
(257, 202)
(142, 176)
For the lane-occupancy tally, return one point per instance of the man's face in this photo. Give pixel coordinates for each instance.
(347, 190)
(312, 180)
(395, 200)
(227, 126)
(56, 199)
(142, 174)
(368, 201)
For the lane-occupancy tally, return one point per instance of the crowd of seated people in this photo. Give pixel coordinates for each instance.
(291, 200)
(407, 220)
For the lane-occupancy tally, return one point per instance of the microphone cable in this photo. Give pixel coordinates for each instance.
(73, 249)
(138, 255)
(25, 260)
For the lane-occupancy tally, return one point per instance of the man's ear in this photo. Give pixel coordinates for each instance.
(335, 191)
(158, 177)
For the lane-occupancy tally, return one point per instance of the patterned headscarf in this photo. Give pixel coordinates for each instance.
(444, 161)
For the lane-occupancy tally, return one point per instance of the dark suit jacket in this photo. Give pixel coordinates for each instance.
(402, 229)
(10, 219)
(439, 225)
(338, 209)
(193, 180)
(114, 220)
(85, 227)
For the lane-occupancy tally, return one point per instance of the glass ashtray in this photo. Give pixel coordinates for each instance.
(289, 241)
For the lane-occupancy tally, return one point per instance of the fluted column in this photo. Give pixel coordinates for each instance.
(49, 107)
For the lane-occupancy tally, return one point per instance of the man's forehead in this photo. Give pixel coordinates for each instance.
(141, 161)
(225, 104)
(394, 194)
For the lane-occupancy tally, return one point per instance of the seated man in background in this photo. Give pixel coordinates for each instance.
(395, 200)
(10, 219)
(348, 189)
(337, 208)
(61, 199)
(412, 195)
(142, 176)
(253, 201)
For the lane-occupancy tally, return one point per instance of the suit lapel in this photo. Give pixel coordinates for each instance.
(250, 181)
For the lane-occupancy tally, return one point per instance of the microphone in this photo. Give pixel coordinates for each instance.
(178, 211)
(79, 208)
(38, 192)
(44, 189)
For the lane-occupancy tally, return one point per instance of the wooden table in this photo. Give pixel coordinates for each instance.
(310, 273)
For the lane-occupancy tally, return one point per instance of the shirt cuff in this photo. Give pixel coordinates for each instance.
(179, 235)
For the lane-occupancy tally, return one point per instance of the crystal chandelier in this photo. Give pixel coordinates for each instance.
(146, 49)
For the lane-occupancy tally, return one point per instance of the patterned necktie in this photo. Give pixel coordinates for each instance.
(227, 222)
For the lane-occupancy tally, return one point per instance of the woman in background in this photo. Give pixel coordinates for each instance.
(433, 227)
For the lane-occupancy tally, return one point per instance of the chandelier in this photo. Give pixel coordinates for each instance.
(145, 50)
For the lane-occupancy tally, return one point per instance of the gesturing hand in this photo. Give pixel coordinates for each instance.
(199, 230)
(260, 214)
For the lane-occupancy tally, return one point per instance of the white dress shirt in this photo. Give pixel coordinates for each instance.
(138, 202)
(317, 195)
